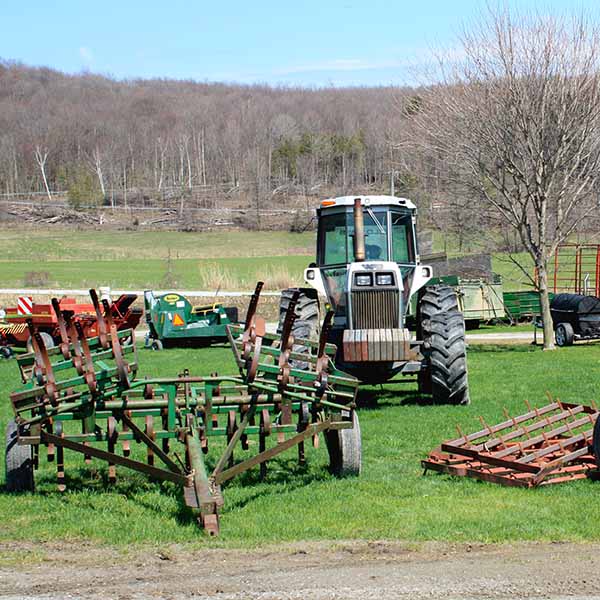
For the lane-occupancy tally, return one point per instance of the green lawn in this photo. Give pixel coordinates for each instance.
(391, 500)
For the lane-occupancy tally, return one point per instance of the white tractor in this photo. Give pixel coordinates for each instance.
(367, 270)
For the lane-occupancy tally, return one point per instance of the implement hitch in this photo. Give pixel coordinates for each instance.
(83, 396)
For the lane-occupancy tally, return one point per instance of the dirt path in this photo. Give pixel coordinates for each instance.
(351, 570)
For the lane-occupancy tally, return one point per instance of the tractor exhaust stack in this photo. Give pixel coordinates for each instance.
(359, 232)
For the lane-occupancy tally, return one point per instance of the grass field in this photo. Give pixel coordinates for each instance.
(136, 260)
(391, 500)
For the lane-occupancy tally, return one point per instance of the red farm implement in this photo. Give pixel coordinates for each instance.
(44, 319)
(546, 445)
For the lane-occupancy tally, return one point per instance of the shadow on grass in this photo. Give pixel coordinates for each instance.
(512, 348)
(383, 397)
(283, 473)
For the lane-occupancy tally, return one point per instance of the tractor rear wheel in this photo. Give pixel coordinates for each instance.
(441, 327)
(19, 462)
(307, 319)
(345, 449)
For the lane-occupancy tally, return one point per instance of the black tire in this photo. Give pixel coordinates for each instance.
(157, 345)
(564, 334)
(47, 339)
(19, 462)
(307, 319)
(442, 329)
(596, 442)
(5, 352)
(345, 450)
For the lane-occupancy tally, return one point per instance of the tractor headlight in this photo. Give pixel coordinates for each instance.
(363, 279)
(384, 279)
(310, 274)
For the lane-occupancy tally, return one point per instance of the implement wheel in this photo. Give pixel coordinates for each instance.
(345, 450)
(442, 329)
(564, 334)
(156, 345)
(46, 338)
(5, 352)
(19, 462)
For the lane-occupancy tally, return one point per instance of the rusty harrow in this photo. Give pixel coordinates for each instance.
(83, 396)
(547, 445)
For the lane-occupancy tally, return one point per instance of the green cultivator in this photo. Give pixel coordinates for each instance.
(83, 396)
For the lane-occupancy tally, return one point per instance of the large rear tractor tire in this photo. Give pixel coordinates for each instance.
(345, 450)
(441, 326)
(306, 324)
(19, 462)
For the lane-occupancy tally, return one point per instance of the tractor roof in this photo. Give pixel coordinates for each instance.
(368, 201)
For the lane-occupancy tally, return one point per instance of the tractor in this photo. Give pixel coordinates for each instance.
(367, 270)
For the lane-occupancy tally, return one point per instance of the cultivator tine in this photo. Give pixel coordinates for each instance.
(122, 368)
(287, 344)
(62, 328)
(38, 367)
(253, 304)
(90, 374)
(149, 431)
(111, 436)
(42, 352)
(322, 358)
(102, 330)
(264, 433)
(60, 460)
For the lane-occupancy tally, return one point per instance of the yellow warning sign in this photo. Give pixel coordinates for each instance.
(171, 298)
(177, 320)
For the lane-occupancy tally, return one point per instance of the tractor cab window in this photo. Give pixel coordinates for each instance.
(376, 238)
(333, 240)
(403, 245)
(336, 237)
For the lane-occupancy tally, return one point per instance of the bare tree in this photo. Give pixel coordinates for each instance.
(517, 118)
(41, 157)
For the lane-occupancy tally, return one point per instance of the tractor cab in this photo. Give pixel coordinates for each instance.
(367, 260)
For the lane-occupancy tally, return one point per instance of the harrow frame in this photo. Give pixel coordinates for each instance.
(90, 385)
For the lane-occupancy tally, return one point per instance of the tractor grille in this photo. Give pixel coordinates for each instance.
(375, 309)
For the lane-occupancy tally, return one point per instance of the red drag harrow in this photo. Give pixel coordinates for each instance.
(546, 445)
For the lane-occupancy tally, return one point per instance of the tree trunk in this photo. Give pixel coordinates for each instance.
(545, 306)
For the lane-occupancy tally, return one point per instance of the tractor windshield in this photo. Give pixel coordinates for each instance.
(388, 236)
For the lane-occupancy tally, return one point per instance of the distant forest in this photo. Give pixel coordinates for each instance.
(59, 130)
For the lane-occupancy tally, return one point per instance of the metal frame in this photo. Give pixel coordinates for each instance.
(546, 445)
(85, 392)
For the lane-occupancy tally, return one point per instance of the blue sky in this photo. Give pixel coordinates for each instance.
(305, 42)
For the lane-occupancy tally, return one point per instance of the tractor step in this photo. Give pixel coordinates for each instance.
(546, 445)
